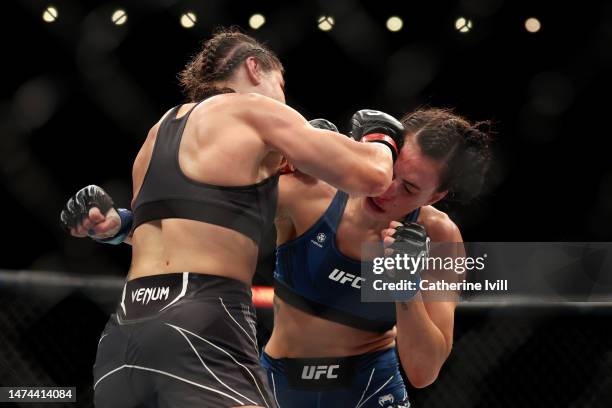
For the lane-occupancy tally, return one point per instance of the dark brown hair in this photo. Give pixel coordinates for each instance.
(217, 61)
(464, 147)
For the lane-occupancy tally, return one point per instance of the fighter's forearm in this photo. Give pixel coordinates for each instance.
(422, 346)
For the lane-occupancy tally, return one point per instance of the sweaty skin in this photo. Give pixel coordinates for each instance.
(242, 151)
(424, 329)
(171, 245)
(297, 334)
(237, 139)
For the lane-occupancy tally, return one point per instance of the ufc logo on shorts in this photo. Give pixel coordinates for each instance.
(315, 372)
(345, 277)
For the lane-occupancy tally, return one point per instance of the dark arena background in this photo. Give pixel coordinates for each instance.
(84, 81)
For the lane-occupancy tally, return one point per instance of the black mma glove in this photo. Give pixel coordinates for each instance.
(411, 239)
(369, 125)
(78, 206)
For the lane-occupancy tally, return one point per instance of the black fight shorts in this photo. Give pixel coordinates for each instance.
(181, 340)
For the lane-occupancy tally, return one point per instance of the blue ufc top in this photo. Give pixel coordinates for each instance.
(314, 276)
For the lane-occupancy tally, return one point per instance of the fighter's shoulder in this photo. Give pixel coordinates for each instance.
(147, 146)
(237, 101)
(440, 227)
(152, 133)
(248, 107)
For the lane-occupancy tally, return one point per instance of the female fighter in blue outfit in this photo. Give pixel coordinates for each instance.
(328, 349)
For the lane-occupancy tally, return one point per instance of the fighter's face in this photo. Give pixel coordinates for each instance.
(415, 184)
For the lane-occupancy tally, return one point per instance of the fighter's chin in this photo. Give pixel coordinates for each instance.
(373, 209)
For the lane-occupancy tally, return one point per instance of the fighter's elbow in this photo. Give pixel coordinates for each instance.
(421, 376)
(422, 370)
(420, 380)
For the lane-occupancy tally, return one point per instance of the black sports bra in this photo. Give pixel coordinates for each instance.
(167, 192)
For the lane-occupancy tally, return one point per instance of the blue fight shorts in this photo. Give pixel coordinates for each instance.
(369, 380)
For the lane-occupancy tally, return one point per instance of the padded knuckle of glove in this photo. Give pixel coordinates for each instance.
(412, 235)
(77, 208)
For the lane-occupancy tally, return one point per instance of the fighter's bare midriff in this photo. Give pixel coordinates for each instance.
(300, 335)
(177, 245)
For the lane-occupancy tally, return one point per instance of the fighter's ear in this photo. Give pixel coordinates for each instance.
(253, 69)
(437, 196)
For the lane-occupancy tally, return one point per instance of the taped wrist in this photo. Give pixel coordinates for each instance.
(384, 139)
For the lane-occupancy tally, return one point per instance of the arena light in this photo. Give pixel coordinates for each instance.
(326, 23)
(463, 25)
(50, 14)
(394, 23)
(532, 25)
(119, 17)
(256, 21)
(188, 20)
